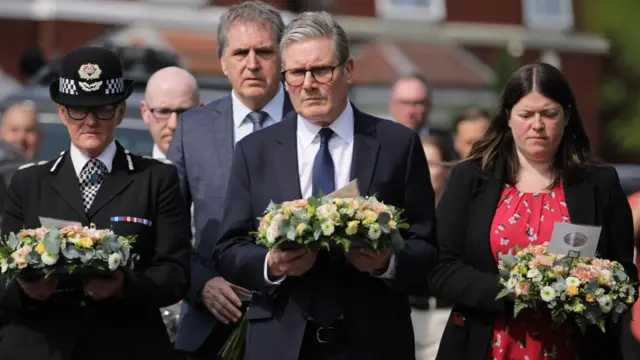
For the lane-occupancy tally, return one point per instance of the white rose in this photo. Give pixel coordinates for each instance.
(49, 259)
(573, 281)
(114, 261)
(547, 293)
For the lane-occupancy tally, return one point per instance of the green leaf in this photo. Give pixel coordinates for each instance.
(52, 241)
(509, 260)
(502, 294)
(13, 241)
(621, 275)
(397, 242)
(384, 218)
(519, 307)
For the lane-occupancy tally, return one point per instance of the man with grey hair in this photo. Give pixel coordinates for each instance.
(310, 304)
(201, 149)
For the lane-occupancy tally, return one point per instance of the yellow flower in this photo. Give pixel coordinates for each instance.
(392, 224)
(572, 290)
(85, 242)
(311, 210)
(370, 215)
(523, 270)
(338, 202)
(40, 248)
(590, 298)
(352, 227)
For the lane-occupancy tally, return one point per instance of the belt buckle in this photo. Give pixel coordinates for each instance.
(319, 331)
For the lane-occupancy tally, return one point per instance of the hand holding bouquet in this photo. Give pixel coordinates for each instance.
(45, 251)
(590, 290)
(325, 222)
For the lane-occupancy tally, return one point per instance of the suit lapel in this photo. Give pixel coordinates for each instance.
(66, 183)
(487, 194)
(365, 150)
(287, 107)
(221, 131)
(287, 159)
(114, 183)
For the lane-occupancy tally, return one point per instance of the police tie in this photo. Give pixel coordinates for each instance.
(324, 304)
(90, 179)
(257, 118)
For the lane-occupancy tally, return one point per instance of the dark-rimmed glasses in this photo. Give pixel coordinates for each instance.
(321, 74)
(165, 113)
(103, 112)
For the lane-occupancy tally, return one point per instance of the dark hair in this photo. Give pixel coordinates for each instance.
(471, 114)
(495, 152)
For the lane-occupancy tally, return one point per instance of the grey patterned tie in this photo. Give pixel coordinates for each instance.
(90, 179)
(257, 118)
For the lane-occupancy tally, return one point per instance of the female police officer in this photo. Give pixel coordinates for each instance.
(97, 181)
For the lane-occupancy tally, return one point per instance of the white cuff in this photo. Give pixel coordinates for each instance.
(266, 274)
(391, 269)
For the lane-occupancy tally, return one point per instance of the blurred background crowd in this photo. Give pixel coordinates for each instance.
(433, 65)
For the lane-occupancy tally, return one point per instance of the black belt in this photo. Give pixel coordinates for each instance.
(334, 333)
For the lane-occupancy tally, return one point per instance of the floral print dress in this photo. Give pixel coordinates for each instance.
(523, 219)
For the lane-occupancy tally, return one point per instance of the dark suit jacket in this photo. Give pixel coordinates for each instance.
(201, 149)
(467, 271)
(388, 160)
(69, 325)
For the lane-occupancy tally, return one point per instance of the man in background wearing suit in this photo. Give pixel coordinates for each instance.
(170, 92)
(313, 304)
(201, 149)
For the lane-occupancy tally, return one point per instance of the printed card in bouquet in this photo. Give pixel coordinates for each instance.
(574, 240)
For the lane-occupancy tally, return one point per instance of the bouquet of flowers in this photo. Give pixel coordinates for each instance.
(590, 290)
(323, 222)
(45, 251)
(327, 222)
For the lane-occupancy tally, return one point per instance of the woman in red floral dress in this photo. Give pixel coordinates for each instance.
(532, 169)
(523, 219)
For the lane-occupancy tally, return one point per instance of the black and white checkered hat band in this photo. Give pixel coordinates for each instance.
(68, 86)
(115, 86)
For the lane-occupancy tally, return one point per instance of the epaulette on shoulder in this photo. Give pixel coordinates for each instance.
(166, 161)
(28, 165)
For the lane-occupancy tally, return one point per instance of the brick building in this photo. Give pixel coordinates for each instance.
(455, 43)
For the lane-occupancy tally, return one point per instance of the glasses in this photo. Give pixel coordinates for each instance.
(164, 113)
(321, 74)
(104, 112)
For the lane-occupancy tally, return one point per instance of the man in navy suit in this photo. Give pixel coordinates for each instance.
(202, 148)
(319, 304)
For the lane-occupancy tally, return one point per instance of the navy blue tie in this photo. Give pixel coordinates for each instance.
(324, 306)
(323, 175)
(257, 118)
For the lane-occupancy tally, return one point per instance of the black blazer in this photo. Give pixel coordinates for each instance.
(467, 271)
(69, 325)
(388, 160)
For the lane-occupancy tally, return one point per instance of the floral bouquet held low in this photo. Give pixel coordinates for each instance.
(323, 223)
(70, 250)
(592, 291)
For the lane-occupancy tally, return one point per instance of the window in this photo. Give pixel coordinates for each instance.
(421, 10)
(554, 15)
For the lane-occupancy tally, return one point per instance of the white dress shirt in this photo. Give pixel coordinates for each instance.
(341, 150)
(243, 126)
(156, 153)
(79, 159)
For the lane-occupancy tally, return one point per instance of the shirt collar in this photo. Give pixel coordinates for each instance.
(157, 153)
(273, 107)
(79, 159)
(343, 127)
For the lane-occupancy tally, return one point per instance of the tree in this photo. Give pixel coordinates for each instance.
(620, 89)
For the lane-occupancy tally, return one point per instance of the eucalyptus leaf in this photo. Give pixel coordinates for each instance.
(592, 286)
(70, 252)
(509, 260)
(291, 234)
(87, 255)
(52, 241)
(397, 242)
(384, 218)
(621, 275)
(13, 241)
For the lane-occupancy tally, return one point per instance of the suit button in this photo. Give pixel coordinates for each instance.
(83, 303)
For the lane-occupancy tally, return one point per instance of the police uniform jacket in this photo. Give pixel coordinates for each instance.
(70, 325)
